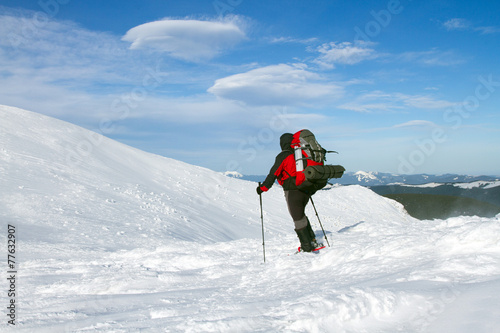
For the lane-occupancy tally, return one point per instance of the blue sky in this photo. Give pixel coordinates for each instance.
(394, 86)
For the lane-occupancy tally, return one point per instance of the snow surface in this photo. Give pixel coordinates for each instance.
(113, 239)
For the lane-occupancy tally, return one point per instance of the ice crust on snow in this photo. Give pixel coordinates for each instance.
(122, 240)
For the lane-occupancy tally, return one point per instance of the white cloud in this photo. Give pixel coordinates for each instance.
(463, 24)
(285, 40)
(57, 51)
(390, 102)
(369, 107)
(344, 53)
(423, 101)
(54, 66)
(456, 24)
(275, 85)
(488, 29)
(416, 123)
(190, 40)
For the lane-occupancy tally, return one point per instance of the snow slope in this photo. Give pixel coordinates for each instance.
(113, 239)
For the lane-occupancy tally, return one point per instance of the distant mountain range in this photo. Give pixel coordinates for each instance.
(423, 195)
(380, 178)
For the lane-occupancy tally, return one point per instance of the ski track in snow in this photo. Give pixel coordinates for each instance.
(127, 241)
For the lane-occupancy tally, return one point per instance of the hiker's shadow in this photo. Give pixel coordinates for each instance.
(344, 229)
(349, 227)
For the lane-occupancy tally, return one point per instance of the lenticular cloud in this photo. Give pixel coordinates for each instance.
(190, 40)
(275, 85)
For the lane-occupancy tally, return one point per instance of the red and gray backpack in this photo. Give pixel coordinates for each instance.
(311, 172)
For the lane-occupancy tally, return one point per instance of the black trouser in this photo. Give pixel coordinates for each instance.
(296, 201)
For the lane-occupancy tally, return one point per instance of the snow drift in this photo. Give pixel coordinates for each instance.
(110, 238)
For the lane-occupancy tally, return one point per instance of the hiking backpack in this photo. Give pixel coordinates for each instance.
(311, 172)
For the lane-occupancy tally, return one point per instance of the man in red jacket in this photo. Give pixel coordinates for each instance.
(284, 170)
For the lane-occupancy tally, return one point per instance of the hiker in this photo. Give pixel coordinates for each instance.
(284, 170)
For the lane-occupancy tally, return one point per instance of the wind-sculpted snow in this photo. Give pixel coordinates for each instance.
(126, 241)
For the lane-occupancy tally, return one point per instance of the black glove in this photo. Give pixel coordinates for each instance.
(259, 190)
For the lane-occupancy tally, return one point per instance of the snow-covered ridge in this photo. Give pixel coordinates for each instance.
(480, 184)
(475, 184)
(110, 187)
(373, 178)
(128, 241)
(421, 185)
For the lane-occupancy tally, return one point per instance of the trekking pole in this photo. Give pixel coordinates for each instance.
(262, 221)
(326, 238)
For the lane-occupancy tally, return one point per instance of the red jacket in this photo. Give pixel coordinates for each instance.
(283, 169)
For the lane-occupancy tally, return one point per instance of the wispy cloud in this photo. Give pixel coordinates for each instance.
(434, 57)
(463, 24)
(190, 40)
(423, 101)
(457, 24)
(55, 66)
(58, 51)
(379, 101)
(416, 123)
(64, 70)
(284, 40)
(276, 85)
(345, 53)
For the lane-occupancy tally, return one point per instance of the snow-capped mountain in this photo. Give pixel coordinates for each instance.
(479, 184)
(113, 239)
(234, 174)
(380, 178)
(373, 178)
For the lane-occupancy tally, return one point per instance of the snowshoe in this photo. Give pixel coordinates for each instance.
(315, 250)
